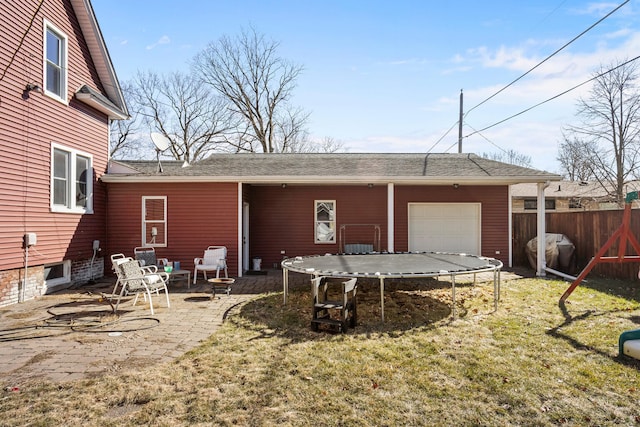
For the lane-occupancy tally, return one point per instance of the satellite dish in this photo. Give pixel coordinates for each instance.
(160, 141)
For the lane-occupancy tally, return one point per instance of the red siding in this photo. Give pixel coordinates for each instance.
(495, 213)
(198, 215)
(282, 218)
(28, 126)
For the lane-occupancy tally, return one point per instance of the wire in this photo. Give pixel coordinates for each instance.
(548, 57)
(442, 137)
(24, 35)
(554, 97)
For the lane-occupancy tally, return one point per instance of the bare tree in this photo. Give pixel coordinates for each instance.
(510, 156)
(195, 120)
(257, 84)
(576, 158)
(124, 141)
(610, 118)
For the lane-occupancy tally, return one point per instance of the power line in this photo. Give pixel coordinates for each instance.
(442, 137)
(548, 57)
(554, 97)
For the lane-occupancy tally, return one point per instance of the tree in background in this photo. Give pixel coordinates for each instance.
(510, 156)
(576, 158)
(193, 118)
(257, 85)
(124, 134)
(610, 122)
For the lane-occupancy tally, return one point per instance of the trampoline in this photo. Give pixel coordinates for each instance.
(406, 265)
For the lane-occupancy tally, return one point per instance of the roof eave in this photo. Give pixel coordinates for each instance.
(323, 180)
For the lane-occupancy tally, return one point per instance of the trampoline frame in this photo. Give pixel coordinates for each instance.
(492, 265)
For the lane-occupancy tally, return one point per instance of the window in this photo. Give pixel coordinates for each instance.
(55, 62)
(71, 180)
(532, 204)
(154, 221)
(57, 274)
(575, 203)
(325, 221)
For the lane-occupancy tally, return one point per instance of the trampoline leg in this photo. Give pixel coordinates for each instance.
(453, 295)
(382, 298)
(285, 284)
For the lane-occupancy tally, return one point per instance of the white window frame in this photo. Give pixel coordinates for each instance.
(70, 206)
(62, 67)
(331, 222)
(62, 280)
(147, 239)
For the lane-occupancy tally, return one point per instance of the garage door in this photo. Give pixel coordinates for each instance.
(444, 227)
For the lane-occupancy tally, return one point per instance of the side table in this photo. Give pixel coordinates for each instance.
(180, 274)
(222, 284)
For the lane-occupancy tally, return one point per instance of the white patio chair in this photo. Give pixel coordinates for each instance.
(215, 258)
(117, 259)
(138, 280)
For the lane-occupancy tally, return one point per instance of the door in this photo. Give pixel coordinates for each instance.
(445, 227)
(245, 236)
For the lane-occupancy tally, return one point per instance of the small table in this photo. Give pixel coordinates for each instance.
(180, 274)
(221, 284)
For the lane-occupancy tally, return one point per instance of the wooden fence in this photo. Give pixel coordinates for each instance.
(588, 231)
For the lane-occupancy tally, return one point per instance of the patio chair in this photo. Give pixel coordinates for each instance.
(215, 258)
(117, 259)
(334, 296)
(147, 256)
(137, 280)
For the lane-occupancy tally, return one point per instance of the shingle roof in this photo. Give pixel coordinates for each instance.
(332, 168)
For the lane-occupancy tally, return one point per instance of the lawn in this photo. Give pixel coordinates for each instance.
(532, 362)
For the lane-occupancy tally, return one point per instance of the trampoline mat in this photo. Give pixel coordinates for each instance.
(392, 264)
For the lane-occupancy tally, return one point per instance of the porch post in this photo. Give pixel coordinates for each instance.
(541, 255)
(239, 220)
(390, 218)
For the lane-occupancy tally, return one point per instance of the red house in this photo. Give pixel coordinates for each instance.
(282, 205)
(58, 93)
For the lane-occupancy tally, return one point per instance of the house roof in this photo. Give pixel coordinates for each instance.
(334, 168)
(592, 190)
(102, 61)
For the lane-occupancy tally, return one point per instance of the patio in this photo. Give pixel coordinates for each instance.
(73, 334)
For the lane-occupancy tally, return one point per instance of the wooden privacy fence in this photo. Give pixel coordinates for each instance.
(587, 230)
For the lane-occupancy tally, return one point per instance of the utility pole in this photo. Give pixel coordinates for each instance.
(460, 125)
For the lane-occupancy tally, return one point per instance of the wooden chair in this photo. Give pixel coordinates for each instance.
(334, 302)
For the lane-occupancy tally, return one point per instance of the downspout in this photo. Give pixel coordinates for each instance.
(541, 255)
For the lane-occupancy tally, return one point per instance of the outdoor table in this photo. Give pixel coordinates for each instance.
(222, 284)
(180, 274)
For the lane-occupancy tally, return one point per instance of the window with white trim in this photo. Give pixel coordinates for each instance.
(55, 62)
(325, 221)
(154, 221)
(71, 180)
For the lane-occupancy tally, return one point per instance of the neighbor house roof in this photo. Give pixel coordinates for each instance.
(592, 190)
(334, 168)
(114, 105)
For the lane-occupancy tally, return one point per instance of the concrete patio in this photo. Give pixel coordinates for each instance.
(74, 334)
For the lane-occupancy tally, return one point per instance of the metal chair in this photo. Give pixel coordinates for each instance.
(147, 256)
(215, 258)
(137, 280)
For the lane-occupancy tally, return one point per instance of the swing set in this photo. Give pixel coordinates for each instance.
(622, 235)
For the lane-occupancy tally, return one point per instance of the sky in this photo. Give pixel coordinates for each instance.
(386, 76)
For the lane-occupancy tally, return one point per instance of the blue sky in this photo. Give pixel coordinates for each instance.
(385, 76)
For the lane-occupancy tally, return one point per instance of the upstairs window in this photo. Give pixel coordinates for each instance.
(71, 180)
(55, 62)
(325, 221)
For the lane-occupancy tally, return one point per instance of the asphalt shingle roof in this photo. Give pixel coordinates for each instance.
(336, 167)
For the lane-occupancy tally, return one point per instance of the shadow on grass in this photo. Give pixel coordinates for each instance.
(408, 306)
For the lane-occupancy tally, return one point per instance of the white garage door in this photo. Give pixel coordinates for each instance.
(444, 227)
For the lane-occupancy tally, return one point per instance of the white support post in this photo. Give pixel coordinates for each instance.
(390, 217)
(239, 215)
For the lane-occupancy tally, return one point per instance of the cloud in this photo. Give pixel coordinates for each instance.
(161, 40)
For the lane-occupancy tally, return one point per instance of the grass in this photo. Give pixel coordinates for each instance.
(531, 363)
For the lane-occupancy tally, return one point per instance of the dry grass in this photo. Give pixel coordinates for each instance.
(529, 363)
